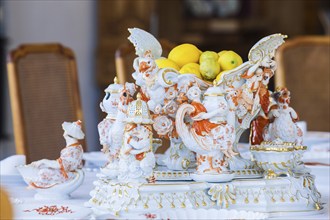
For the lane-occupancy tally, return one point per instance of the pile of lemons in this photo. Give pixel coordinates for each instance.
(209, 65)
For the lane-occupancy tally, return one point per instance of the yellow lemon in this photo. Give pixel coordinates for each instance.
(209, 69)
(166, 63)
(220, 75)
(192, 68)
(208, 55)
(6, 207)
(184, 53)
(229, 60)
(222, 52)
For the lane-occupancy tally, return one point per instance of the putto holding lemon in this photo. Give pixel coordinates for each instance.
(208, 65)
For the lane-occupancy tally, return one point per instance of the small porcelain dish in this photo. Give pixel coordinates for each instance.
(57, 192)
(277, 159)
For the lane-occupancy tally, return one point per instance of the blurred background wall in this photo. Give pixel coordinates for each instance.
(71, 23)
(209, 24)
(95, 29)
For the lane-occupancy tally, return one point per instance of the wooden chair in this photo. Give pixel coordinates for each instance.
(304, 68)
(44, 92)
(6, 206)
(124, 58)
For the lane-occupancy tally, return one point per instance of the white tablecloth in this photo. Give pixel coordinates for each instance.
(17, 190)
(19, 193)
(318, 143)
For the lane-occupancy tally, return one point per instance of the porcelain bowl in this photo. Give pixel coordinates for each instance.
(276, 159)
(58, 192)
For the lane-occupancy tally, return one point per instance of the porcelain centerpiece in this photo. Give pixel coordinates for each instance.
(204, 123)
(243, 95)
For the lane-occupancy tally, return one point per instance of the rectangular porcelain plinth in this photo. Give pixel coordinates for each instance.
(287, 194)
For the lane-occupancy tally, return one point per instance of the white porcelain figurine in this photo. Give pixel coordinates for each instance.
(56, 179)
(283, 117)
(109, 105)
(116, 132)
(137, 159)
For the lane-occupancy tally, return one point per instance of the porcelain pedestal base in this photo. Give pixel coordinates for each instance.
(274, 196)
(122, 199)
(281, 196)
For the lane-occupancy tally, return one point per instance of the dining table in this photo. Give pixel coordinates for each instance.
(26, 206)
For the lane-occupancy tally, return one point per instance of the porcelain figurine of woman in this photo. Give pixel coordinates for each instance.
(283, 118)
(62, 170)
(137, 159)
(261, 121)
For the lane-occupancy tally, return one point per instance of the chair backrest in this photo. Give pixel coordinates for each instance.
(6, 206)
(125, 55)
(304, 68)
(44, 92)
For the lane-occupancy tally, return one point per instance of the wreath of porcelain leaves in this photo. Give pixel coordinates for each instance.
(144, 41)
(263, 48)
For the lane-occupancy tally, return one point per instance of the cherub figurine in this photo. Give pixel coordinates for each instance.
(283, 120)
(137, 160)
(54, 172)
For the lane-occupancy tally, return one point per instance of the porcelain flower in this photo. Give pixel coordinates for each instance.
(171, 93)
(170, 108)
(163, 125)
(158, 109)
